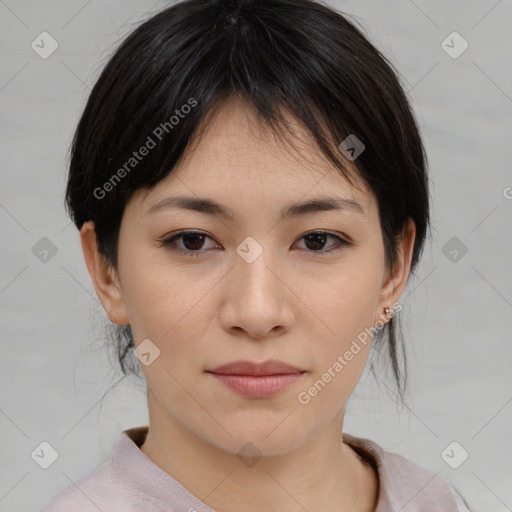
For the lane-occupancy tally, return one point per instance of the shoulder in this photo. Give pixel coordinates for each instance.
(126, 482)
(90, 494)
(403, 484)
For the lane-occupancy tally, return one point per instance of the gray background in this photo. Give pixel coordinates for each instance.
(54, 369)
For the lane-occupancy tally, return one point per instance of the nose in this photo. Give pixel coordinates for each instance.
(258, 301)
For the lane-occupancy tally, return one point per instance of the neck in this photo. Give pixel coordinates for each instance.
(314, 476)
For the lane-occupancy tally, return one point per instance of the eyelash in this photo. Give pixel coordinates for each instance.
(170, 242)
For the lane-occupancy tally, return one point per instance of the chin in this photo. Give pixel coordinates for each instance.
(262, 440)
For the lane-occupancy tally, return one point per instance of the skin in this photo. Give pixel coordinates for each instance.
(291, 304)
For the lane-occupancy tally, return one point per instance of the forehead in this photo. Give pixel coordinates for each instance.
(237, 156)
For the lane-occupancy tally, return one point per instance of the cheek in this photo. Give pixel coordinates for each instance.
(167, 308)
(155, 294)
(347, 300)
(346, 315)
(167, 305)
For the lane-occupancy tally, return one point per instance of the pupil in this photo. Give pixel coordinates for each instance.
(196, 239)
(311, 237)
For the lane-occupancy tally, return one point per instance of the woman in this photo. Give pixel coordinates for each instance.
(251, 192)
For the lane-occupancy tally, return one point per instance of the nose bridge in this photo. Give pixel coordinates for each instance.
(257, 295)
(253, 266)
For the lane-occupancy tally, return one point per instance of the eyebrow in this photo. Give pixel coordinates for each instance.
(209, 207)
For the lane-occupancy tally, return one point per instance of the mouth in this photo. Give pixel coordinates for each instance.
(270, 367)
(257, 380)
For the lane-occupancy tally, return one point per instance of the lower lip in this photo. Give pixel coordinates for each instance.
(257, 387)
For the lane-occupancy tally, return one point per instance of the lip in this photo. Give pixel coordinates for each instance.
(257, 380)
(270, 367)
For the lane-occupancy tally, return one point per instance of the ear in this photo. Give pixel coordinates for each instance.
(105, 279)
(396, 279)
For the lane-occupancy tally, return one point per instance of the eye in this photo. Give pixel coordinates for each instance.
(193, 241)
(317, 239)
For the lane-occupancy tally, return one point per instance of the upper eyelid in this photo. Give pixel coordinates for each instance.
(179, 234)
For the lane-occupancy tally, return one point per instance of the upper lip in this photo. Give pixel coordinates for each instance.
(270, 367)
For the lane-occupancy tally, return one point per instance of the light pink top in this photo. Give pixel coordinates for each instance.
(131, 482)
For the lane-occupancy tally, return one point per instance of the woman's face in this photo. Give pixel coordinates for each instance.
(252, 287)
